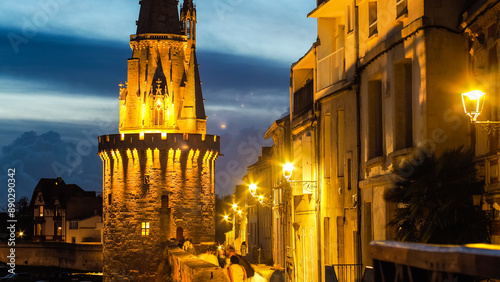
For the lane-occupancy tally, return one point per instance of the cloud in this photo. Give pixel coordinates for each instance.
(277, 30)
(54, 107)
(66, 64)
(91, 19)
(240, 150)
(35, 156)
(71, 56)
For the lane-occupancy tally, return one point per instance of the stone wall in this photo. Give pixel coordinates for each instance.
(187, 268)
(156, 187)
(74, 256)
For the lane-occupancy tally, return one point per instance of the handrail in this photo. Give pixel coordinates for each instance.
(393, 260)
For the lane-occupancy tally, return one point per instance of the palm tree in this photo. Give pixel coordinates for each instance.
(435, 200)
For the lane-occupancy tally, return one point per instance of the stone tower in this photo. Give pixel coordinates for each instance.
(159, 171)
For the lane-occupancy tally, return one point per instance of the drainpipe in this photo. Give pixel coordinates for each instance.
(315, 125)
(357, 82)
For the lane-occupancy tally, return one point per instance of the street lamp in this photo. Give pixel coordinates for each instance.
(265, 201)
(287, 171)
(473, 102)
(253, 189)
(308, 186)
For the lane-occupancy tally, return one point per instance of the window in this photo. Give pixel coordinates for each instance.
(401, 8)
(340, 142)
(73, 225)
(159, 113)
(328, 145)
(40, 209)
(145, 229)
(327, 240)
(188, 29)
(164, 201)
(403, 102)
(58, 228)
(372, 18)
(349, 18)
(375, 131)
(146, 179)
(349, 173)
(109, 199)
(38, 229)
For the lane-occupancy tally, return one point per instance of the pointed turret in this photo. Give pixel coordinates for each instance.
(188, 20)
(159, 83)
(159, 16)
(193, 89)
(200, 105)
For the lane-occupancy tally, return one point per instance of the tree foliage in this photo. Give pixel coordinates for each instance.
(435, 200)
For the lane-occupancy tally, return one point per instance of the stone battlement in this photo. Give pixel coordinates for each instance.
(160, 141)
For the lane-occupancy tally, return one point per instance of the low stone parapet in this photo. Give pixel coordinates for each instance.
(87, 257)
(186, 267)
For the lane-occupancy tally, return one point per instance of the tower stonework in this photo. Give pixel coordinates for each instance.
(158, 173)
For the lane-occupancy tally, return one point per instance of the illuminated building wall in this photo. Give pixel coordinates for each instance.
(159, 171)
(482, 29)
(383, 79)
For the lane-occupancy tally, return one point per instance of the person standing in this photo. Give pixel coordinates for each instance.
(236, 272)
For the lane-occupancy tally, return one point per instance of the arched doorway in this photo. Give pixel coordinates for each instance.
(180, 234)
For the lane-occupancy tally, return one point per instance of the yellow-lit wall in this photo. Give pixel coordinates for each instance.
(167, 182)
(428, 41)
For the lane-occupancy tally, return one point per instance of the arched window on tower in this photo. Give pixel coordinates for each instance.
(188, 29)
(159, 113)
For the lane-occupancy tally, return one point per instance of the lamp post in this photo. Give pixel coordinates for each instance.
(473, 102)
(265, 201)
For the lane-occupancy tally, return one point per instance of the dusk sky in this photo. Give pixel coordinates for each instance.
(61, 62)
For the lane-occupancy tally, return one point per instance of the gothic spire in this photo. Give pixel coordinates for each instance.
(159, 16)
(193, 68)
(187, 5)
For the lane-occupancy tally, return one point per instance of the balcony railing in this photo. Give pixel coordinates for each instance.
(343, 272)
(397, 261)
(303, 98)
(331, 69)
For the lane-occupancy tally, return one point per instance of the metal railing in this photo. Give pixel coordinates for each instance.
(398, 261)
(331, 69)
(343, 272)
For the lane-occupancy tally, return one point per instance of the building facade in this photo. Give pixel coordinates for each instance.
(412, 65)
(259, 209)
(481, 27)
(65, 213)
(159, 171)
(382, 82)
(283, 252)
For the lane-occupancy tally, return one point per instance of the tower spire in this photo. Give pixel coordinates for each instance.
(188, 20)
(159, 16)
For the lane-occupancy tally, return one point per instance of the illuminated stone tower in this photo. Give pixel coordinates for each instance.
(159, 171)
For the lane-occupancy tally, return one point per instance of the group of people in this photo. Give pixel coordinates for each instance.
(237, 267)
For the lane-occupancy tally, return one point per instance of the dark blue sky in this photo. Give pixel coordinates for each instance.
(61, 63)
